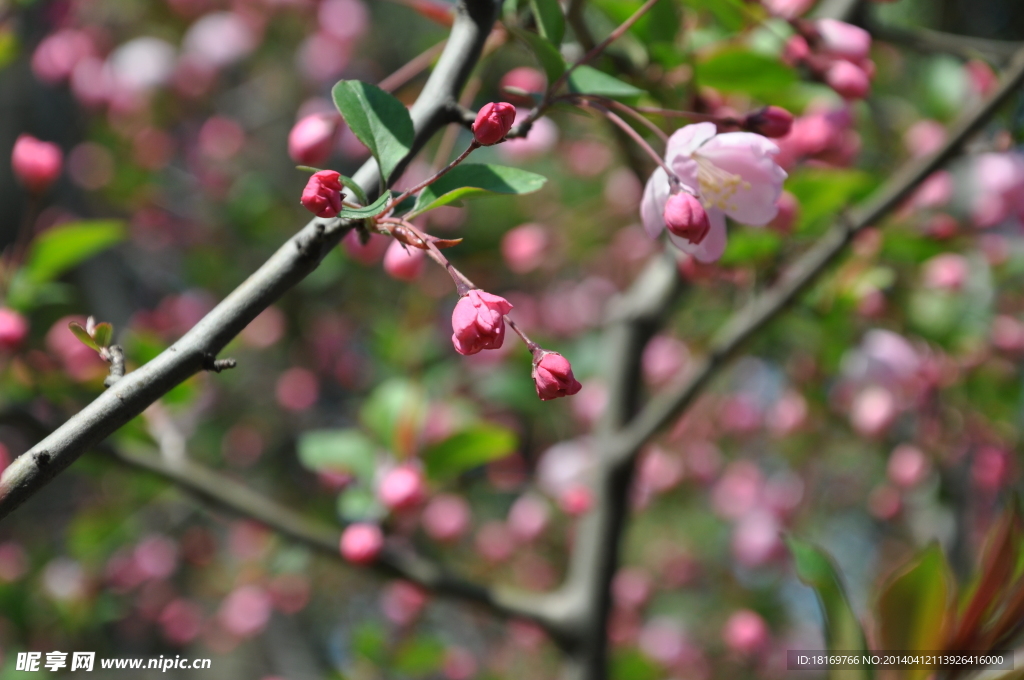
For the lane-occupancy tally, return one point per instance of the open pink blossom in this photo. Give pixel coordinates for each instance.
(734, 174)
(478, 322)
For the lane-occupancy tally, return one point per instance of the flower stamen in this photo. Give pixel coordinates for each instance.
(717, 186)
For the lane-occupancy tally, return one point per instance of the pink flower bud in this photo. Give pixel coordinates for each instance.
(946, 272)
(528, 517)
(908, 466)
(525, 247)
(36, 164)
(361, 543)
(770, 121)
(403, 262)
(576, 500)
(246, 611)
(745, 632)
(796, 50)
(843, 40)
(477, 322)
(789, 210)
(311, 140)
(322, 195)
(553, 377)
(848, 80)
(402, 602)
(685, 217)
(446, 518)
(524, 78)
(873, 411)
(493, 122)
(787, 9)
(402, 488)
(13, 329)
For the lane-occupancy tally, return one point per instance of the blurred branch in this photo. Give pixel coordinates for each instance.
(228, 494)
(746, 322)
(633, 319)
(936, 42)
(296, 259)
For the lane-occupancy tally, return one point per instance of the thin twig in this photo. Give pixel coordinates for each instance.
(295, 260)
(415, 66)
(767, 306)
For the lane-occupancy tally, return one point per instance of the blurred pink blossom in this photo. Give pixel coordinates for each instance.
(245, 612)
(908, 466)
(873, 411)
(745, 632)
(446, 517)
(402, 602)
(528, 517)
(220, 39)
(947, 271)
(297, 389)
(525, 247)
(403, 262)
(402, 488)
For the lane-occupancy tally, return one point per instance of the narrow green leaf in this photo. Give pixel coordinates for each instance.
(471, 180)
(372, 210)
(345, 450)
(83, 336)
(59, 249)
(468, 449)
(352, 185)
(739, 70)
(914, 610)
(843, 631)
(550, 20)
(588, 80)
(380, 121)
(103, 334)
(551, 60)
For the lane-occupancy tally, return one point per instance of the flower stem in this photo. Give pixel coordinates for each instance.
(600, 47)
(635, 136)
(474, 145)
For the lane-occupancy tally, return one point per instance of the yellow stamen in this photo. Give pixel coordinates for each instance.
(717, 186)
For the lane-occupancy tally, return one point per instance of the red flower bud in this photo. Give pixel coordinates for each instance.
(361, 543)
(36, 164)
(685, 217)
(553, 377)
(477, 322)
(771, 121)
(312, 138)
(493, 122)
(322, 195)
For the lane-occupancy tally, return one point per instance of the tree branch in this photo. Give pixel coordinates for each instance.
(299, 256)
(228, 494)
(937, 42)
(767, 306)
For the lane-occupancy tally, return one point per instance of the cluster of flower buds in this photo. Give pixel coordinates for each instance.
(835, 52)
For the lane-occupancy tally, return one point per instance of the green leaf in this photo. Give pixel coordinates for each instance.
(338, 451)
(550, 20)
(747, 246)
(471, 180)
(359, 504)
(372, 210)
(355, 188)
(83, 335)
(551, 60)
(103, 334)
(380, 121)
(588, 80)
(394, 412)
(739, 70)
(816, 569)
(59, 249)
(914, 608)
(468, 449)
(419, 657)
(823, 193)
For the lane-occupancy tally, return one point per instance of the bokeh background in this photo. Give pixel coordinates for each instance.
(882, 413)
